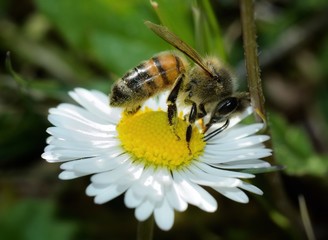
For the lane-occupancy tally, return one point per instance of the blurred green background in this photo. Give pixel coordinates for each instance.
(56, 46)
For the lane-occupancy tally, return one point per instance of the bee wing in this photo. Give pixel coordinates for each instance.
(175, 41)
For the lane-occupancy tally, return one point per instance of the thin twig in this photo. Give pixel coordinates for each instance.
(145, 229)
(306, 218)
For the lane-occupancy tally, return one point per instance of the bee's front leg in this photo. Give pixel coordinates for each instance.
(191, 120)
(172, 110)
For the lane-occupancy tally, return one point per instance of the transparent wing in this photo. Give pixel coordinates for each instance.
(175, 41)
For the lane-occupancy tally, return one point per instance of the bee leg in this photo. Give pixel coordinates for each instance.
(191, 120)
(201, 115)
(202, 111)
(172, 110)
(172, 116)
(132, 110)
(202, 124)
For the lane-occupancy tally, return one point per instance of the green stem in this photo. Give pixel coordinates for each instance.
(21, 82)
(306, 218)
(251, 57)
(145, 229)
(280, 197)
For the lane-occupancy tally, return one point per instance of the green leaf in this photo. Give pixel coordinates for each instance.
(180, 24)
(208, 30)
(111, 33)
(205, 36)
(114, 35)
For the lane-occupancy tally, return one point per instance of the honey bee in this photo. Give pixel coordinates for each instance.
(150, 77)
(207, 87)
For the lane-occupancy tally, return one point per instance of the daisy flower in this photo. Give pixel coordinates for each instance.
(140, 156)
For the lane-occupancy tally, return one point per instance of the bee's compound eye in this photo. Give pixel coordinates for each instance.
(227, 106)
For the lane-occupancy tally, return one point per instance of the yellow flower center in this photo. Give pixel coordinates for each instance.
(148, 137)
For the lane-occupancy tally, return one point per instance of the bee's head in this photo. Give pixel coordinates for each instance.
(230, 106)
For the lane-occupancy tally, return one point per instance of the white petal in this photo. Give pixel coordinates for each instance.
(150, 103)
(239, 143)
(82, 145)
(227, 156)
(159, 102)
(194, 194)
(62, 155)
(49, 139)
(81, 125)
(164, 176)
(149, 186)
(79, 135)
(186, 190)
(230, 156)
(237, 132)
(95, 105)
(100, 95)
(66, 110)
(249, 164)
(110, 176)
(122, 170)
(234, 194)
(144, 210)
(132, 200)
(251, 188)
(88, 129)
(99, 164)
(203, 178)
(57, 155)
(237, 118)
(68, 175)
(66, 154)
(222, 173)
(175, 200)
(164, 216)
(94, 189)
(109, 193)
(210, 150)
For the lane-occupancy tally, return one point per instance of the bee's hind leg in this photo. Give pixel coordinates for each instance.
(132, 110)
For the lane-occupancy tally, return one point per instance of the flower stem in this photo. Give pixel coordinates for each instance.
(281, 201)
(145, 229)
(251, 57)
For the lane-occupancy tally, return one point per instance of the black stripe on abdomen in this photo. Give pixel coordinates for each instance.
(161, 70)
(136, 77)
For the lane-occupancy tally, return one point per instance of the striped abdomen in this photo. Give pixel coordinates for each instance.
(147, 79)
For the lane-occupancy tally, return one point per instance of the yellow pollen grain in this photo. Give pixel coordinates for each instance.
(148, 137)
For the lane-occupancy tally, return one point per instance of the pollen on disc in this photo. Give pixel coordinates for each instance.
(148, 137)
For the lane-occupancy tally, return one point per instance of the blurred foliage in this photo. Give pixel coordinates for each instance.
(294, 150)
(105, 29)
(56, 46)
(36, 221)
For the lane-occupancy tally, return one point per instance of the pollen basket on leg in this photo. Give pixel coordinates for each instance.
(148, 137)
